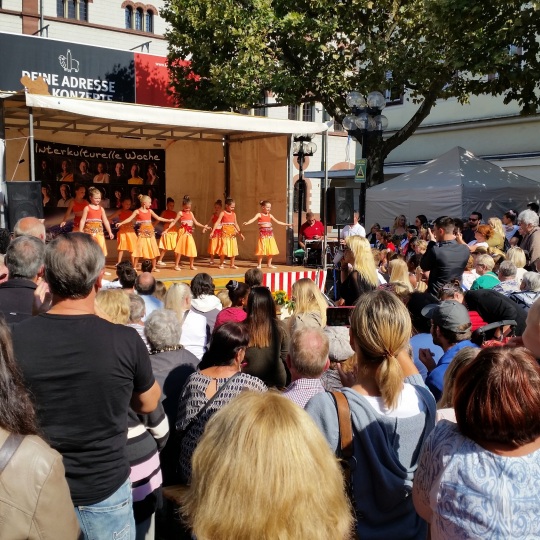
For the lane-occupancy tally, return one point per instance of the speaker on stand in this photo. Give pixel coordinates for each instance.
(22, 199)
(340, 204)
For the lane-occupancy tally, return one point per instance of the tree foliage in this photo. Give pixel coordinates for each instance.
(318, 50)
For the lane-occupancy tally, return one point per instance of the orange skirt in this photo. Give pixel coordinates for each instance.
(267, 246)
(229, 245)
(147, 247)
(168, 240)
(214, 244)
(126, 238)
(95, 230)
(185, 244)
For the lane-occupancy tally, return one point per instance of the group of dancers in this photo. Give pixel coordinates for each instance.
(90, 217)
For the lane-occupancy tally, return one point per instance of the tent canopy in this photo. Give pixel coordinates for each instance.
(453, 184)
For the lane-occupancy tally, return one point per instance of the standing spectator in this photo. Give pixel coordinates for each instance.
(24, 262)
(204, 301)
(307, 361)
(145, 285)
(84, 373)
(444, 258)
(399, 227)
(451, 330)
(529, 230)
(353, 230)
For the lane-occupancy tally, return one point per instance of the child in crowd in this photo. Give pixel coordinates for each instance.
(238, 294)
(76, 206)
(185, 244)
(126, 237)
(214, 244)
(168, 239)
(230, 228)
(266, 245)
(147, 247)
(94, 218)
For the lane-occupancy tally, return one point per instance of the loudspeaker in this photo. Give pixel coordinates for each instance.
(340, 204)
(23, 199)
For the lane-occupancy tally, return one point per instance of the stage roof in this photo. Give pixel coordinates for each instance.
(77, 115)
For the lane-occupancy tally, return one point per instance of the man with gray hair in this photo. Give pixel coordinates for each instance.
(528, 228)
(24, 261)
(84, 373)
(30, 226)
(507, 277)
(137, 312)
(530, 291)
(307, 361)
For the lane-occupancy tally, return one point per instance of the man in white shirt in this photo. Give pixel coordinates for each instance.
(353, 230)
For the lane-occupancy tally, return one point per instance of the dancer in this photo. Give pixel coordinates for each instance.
(230, 228)
(94, 218)
(185, 244)
(76, 206)
(126, 237)
(168, 239)
(214, 244)
(267, 243)
(147, 247)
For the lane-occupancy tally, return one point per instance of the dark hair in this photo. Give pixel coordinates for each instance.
(202, 283)
(127, 277)
(445, 222)
(511, 215)
(264, 202)
(5, 239)
(464, 333)
(186, 200)
(227, 340)
(533, 206)
(261, 320)
(17, 414)
(146, 265)
(253, 277)
(497, 397)
(418, 301)
(449, 290)
(125, 198)
(422, 219)
(73, 263)
(220, 202)
(228, 201)
(170, 199)
(237, 291)
(479, 214)
(121, 265)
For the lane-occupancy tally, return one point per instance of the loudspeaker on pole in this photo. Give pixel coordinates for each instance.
(340, 204)
(22, 199)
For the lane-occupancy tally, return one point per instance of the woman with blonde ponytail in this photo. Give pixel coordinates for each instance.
(392, 413)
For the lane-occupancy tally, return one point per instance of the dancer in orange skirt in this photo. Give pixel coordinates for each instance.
(185, 244)
(94, 218)
(214, 244)
(169, 238)
(230, 228)
(146, 247)
(76, 206)
(126, 237)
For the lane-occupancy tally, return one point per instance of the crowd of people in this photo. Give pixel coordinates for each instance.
(414, 417)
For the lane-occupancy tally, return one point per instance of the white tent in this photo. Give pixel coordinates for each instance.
(453, 184)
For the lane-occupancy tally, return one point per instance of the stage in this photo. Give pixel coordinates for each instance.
(280, 278)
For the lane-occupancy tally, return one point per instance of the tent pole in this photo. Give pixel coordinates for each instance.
(2, 164)
(227, 159)
(324, 166)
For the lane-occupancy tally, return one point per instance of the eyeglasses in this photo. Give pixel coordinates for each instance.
(473, 219)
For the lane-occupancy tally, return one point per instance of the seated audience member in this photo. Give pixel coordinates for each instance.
(253, 277)
(307, 361)
(487, 279)
(219, 380)
(392, 412)
(3, 269)
(531, 334)
(115, 283)
(204, 301)
(530, 243)
(445, 405)
(452, 291)
(507, 277)
(341, 357)
(268, 339)
(127, 277)
(469, 274)
(137, 311)
(482, 235)
(145, 285)
(451, 330)
(161, 290)
(511, 230)
(421, 331)
(399, 228)
(517, 256)
(287, 455)
(491, 458)
(399, 273)
(113, 305)
(30, 226)
(223, 296)
(498, 238)
(24, 262)
(34, 495)
(238, 294)
(309, 306)
(146, 266)
(353, 230)
(83, 386)
(171, 365)
(372, 235)
(310, 230)
(193, 336)
(468, 234)
(529, 291)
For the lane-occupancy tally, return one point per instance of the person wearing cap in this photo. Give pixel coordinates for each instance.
(451, 330)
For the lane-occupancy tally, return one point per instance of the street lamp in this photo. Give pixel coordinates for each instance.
(364, 123)
(302, 148)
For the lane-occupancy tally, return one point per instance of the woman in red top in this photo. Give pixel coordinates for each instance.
(214, 244)
(185, 244)
(230, 228)
(94, 218)
(126, 237)
(266, 246)
(168, 239)
(76, 206)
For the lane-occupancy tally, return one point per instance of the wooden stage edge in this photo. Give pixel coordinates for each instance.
(169, 275)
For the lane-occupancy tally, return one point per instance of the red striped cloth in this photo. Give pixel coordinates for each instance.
(283, 281)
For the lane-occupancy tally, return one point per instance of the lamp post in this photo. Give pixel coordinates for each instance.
(365, 122)
(302, 148)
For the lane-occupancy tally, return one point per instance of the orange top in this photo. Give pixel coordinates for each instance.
(94, 215)
(78, 208)
(144, 215)
(187, 217)
(168, 214)
(229, 218)
(264, 220)
(124, 214)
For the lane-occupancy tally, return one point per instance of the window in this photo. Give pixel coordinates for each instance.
(129, 17)
(292, 113)
(72, 9)
(139, 19)
(59, 8)
(259, 111)
(307, 112)
(149, 27)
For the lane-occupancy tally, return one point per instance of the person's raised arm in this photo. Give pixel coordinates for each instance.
(130, 218)
(254, 218)
(279, 222)
(83, 219)
(165, 220)
(146, 402)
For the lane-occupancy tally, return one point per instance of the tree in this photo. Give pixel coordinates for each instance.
(318, 50)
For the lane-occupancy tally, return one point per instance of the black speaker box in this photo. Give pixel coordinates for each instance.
(340, 205)
(23, 199)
